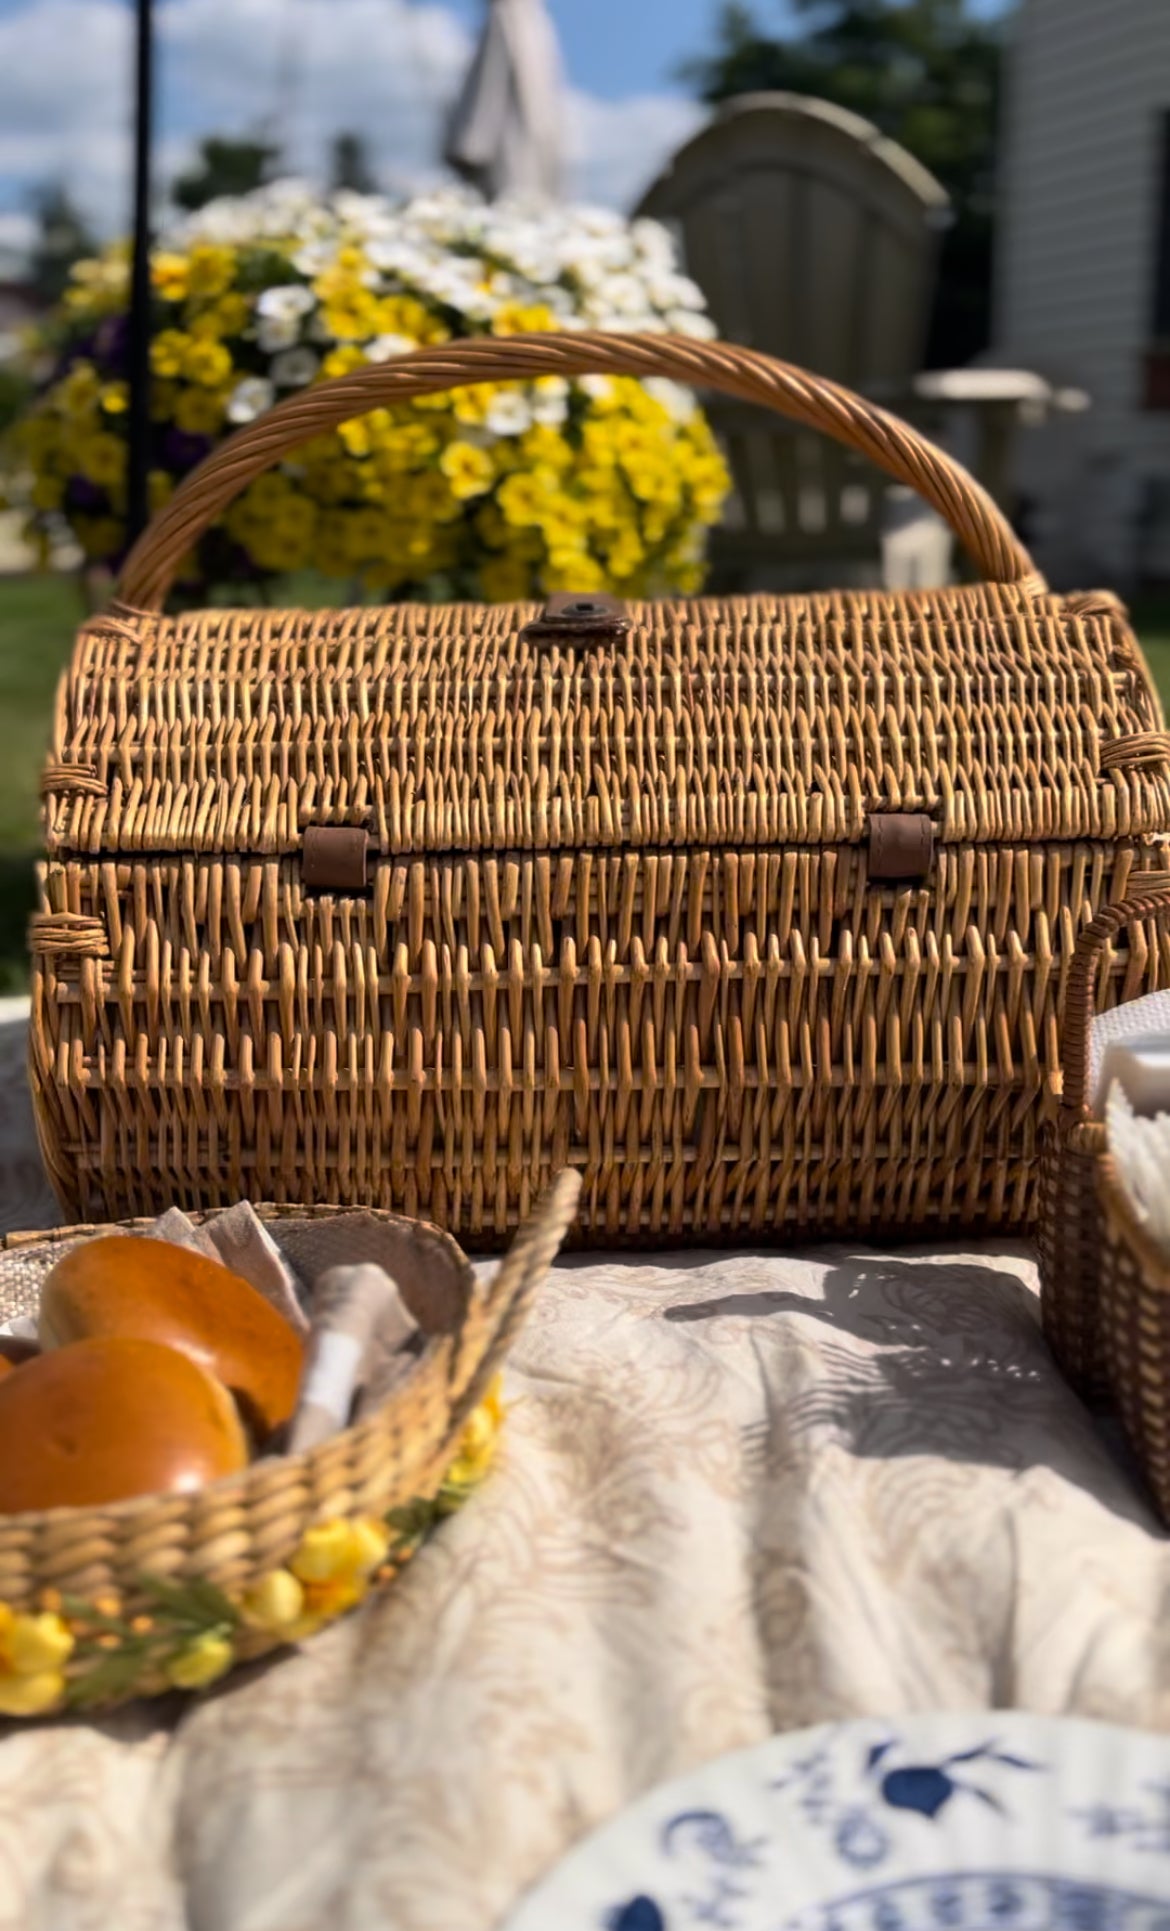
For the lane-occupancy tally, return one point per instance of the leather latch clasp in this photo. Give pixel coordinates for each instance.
(579, 618)
(334, 858)
(901, 845)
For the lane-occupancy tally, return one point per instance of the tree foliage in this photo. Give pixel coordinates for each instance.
(927, 73)
(62, 239)
(224, 167)
(351, 165)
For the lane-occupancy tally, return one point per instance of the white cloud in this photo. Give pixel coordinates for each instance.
(303, 70)
(618, 147)
(64, 100)
(17, 232)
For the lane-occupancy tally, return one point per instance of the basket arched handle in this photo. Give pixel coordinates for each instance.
(892, 445)
(499, 1307)
(1153, 901)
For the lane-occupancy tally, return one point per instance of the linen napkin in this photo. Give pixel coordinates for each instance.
(1137, 1019)
(1141, 1154)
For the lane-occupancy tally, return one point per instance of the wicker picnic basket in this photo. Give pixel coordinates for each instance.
(756, 912)
(148, 1584)
(1123, 953)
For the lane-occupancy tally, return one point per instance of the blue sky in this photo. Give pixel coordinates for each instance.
(385, 68)
(616, 47)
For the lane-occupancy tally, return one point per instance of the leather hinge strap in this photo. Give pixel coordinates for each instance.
(901, 845)
(334, 858)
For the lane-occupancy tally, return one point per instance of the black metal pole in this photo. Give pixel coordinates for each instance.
(138, 355)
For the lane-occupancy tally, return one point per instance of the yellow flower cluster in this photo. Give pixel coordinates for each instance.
(477, 1443)
(332, 1568)
(33, 1653)
(329, 1572)
(499, 491)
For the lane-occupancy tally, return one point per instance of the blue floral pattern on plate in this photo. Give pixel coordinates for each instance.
(959, 1823)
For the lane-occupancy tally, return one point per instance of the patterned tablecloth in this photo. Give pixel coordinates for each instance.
(738, 1495)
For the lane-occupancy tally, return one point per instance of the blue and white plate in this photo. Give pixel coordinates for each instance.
(978, 1822)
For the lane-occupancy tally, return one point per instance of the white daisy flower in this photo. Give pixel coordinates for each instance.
(480, 304)
(395, 255)
(684, 321)
(314, 257)
(534, 257)
(359, 211)
(447, 282)
(221, 224)
(508, 414)
(250, 398)
(275, 332)
(654, 245)
(550, 401)
(384, 348)
(676, 291)
(295, 368)
(625, 295)
(287, 303)
(678, 402)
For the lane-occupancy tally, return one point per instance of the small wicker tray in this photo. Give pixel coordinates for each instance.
(165, 1592)
(1135, 1311)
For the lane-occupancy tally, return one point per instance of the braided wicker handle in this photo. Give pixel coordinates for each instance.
(892, 445)
(1152, 901)
(502, 1305)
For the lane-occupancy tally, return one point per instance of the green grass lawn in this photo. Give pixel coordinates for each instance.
(1151, 620)
(38, 618)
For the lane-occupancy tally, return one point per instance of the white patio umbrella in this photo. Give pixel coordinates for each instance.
(506, 132)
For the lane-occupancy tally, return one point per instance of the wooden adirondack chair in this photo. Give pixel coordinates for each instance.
(813, 237)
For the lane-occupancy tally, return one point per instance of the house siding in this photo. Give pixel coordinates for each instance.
(1088, 82)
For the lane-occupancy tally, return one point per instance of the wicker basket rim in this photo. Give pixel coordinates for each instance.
(267, 1210)
(919, 606)
(1152, 902)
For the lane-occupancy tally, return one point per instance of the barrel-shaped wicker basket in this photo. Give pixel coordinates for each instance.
(755, 911)
(1072, 1233)
(156, 1587)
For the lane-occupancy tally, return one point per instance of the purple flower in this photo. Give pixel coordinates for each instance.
(111, 344)
(78, 351)
(181, 451)
(82, 495)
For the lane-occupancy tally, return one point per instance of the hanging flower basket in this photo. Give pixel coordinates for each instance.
(499, 492)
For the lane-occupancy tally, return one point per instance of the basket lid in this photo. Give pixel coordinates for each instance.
(1003, 715)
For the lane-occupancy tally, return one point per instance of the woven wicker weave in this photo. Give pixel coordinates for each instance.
(1135, 1324)
(235, 1532)
(1073, 1159)
(625, 911)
